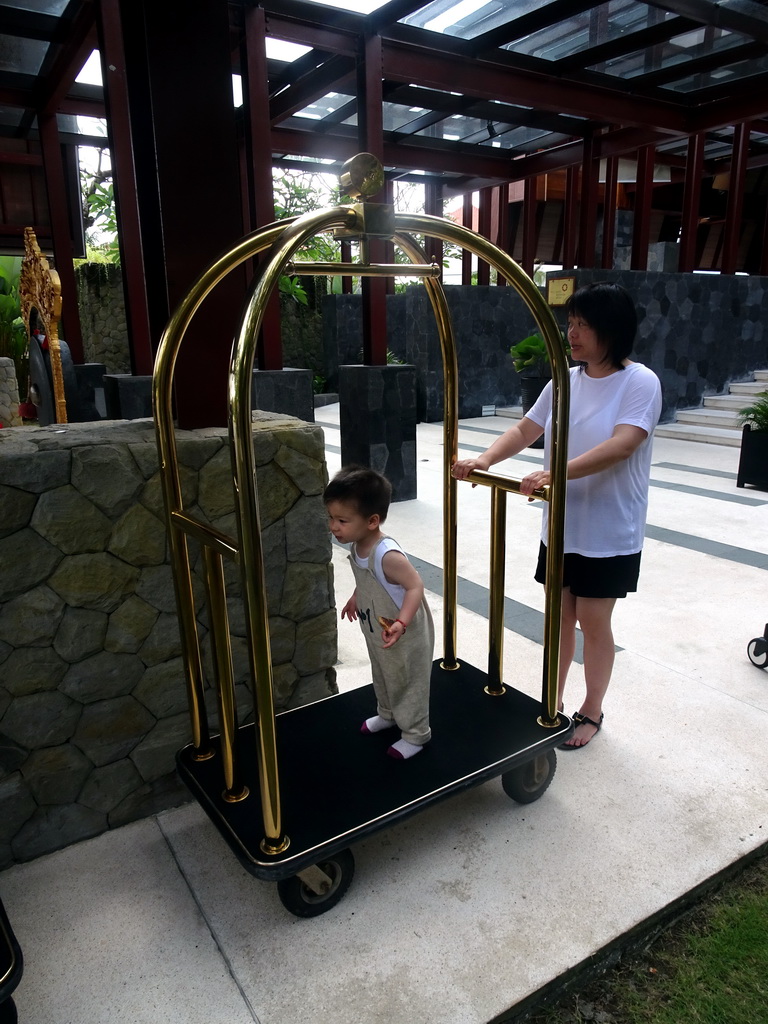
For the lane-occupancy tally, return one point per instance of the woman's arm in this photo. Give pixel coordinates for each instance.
(623, 442)
(512, 441)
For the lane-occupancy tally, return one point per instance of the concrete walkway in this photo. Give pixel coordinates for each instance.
(470, 908)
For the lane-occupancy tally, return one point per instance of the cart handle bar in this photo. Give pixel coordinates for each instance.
(505, 483)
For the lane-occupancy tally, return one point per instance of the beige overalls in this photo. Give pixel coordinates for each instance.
(400, 673)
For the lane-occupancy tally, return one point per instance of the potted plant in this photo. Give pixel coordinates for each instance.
(753, 460)
(531, 361)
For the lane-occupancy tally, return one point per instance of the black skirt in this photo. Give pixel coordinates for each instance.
(615, 576)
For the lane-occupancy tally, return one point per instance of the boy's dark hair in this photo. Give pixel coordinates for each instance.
(367, 490)
(611, 313)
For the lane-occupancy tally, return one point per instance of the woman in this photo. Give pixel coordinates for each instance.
(615, 405)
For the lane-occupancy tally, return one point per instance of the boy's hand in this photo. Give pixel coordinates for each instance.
(392, 634)
(349, 610)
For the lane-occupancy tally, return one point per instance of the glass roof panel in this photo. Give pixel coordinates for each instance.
(453, 128)
(10, 116)
(355, 6)
(525, 139)
(679, 50)
(323, 107)
(601, 24)
(721, 76)
(54, 7)
(469, 18)
(397, 115)
(23, 56)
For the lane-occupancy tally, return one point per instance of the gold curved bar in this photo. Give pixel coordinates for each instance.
(248, 520)
(450, 444)
(221, 650)
(437, 227)
(162, 408)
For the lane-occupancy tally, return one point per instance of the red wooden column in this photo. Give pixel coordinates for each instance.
(732, 234)
(501, 217)
(529, 226)
(53, 163)
(484, 228)
(188, 194)
(570, 217)
(641, 230)
(371, 139)
(590, 170)
(466, 255)
(121, 151)
(261, 204)
(609, 211)
(686, 262)
(433, 205)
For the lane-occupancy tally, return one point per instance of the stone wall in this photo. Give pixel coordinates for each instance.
(698, 332)
(93, 702)
(9, 394)
(487, 321)
(101, 303)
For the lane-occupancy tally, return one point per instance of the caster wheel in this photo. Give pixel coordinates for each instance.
(757, 650)
(527, 783)
(297, 897)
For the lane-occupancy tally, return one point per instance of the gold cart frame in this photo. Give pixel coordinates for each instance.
(279, 243)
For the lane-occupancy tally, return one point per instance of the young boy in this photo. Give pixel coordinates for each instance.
(389, 594)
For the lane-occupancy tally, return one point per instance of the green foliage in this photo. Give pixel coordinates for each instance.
(292, 287)
(100, 213)
(13, 337)
(757, 413)
(319, 384)
(531, 357)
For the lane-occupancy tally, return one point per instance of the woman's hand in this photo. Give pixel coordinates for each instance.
(461, 469)
(532, 482)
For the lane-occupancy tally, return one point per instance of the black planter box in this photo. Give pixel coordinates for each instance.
(753, 462)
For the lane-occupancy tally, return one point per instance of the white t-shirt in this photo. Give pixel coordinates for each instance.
(395, 591)
(605, 513)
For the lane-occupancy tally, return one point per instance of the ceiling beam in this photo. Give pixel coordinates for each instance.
(498, 81)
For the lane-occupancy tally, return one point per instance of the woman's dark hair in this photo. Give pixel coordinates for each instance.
(367, 490)
(611, 314)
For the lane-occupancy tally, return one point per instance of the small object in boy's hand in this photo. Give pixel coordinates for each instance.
(386, 624)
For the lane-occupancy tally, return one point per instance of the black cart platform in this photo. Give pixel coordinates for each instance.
(338, 785)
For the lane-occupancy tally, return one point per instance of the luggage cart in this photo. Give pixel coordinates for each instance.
(291, 792)
(757, 649)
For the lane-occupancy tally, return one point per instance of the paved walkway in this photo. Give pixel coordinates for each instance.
(470, 908)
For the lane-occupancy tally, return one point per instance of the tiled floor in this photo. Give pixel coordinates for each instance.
(462, 912)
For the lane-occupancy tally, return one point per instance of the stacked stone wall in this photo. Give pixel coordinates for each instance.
(101, 303)
(93, 701)
(9, 394)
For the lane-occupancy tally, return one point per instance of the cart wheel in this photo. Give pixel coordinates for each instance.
(297, 897)
(527, 783)
(757, 650)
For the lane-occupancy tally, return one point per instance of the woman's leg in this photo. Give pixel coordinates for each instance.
(567, 641)
(594, 618)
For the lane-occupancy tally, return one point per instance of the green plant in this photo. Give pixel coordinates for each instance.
(530, 356)
(319, 384)
(757, 413)
(13, 337)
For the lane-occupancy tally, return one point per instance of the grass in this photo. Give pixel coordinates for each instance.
(710, 967)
